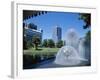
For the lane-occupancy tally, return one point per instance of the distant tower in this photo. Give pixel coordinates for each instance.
(57, 34)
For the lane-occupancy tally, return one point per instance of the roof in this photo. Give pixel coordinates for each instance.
(32, 13)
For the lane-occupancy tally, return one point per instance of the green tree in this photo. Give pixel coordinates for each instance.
(88, 37)
(29, 44)
(51, 43)
(24, 43)
(36, 42)
(59, 44)
(45, 43)
(86, 18)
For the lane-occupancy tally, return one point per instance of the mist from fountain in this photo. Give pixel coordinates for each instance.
(73, 53)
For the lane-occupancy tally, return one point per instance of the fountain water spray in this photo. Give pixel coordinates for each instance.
(73, 52)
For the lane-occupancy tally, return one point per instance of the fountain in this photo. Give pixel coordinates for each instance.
(82, 48)
(73, 52)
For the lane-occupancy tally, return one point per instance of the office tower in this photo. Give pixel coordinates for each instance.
(57, 34)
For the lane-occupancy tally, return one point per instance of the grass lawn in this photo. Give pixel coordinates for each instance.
(32, 56)
(41, 51)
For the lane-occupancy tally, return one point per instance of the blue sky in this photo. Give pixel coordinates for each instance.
(65, 20)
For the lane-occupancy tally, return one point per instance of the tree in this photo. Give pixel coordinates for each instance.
(24, 43)
(24, 38)
(88, 37)
(51, 43)
(29, 44)
(60, 44)
(45, 43)
(36, 42)
(86, 18)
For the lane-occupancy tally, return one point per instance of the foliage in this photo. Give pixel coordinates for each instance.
(24, 44)
(45, 43)
(60, 44)
(32, 56)
(51, 43)
(88, 37)
(27, 44)
(86, 18)
(48, 43)
(36, 41)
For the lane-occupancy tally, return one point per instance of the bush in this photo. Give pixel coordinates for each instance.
(45, 43)
(51, 43)
(59, 44)
(27, 60)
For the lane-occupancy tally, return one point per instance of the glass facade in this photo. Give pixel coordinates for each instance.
(57, 34)
(29, 33)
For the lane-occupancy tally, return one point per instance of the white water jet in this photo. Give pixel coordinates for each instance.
(73, 52)
(82, 48)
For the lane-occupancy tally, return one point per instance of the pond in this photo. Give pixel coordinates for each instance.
(49, 63)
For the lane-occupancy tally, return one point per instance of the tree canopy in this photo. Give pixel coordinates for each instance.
(86, 17)
(36, 42)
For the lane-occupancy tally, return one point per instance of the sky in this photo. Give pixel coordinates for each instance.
(65, 20)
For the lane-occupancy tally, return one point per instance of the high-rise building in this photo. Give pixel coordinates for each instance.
(57, 34)
(32, 31)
